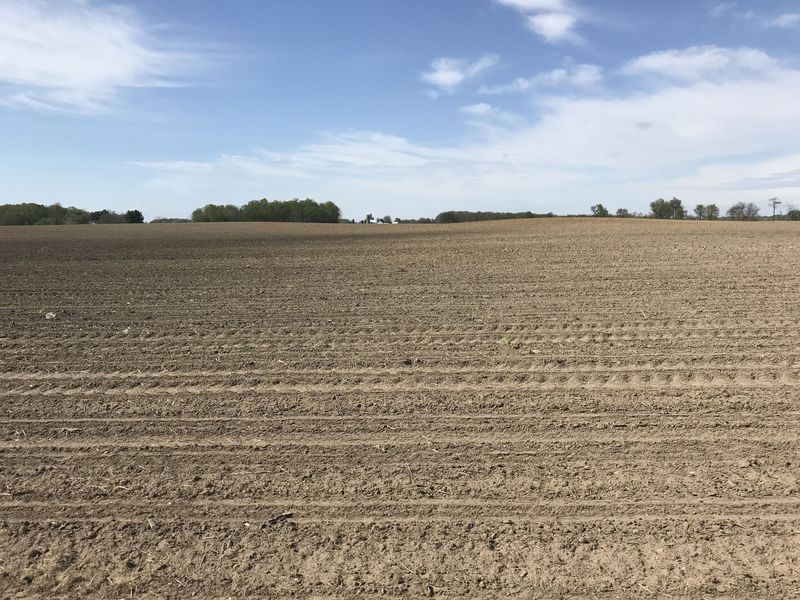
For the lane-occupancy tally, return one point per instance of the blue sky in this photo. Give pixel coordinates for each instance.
(399, 107)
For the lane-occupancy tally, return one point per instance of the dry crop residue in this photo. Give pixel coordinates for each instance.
(539, 408)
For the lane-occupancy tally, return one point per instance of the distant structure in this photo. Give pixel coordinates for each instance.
(774, 202)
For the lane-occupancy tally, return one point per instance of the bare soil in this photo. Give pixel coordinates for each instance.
(537, 409)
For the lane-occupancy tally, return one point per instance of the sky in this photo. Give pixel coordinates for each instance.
(399, 107)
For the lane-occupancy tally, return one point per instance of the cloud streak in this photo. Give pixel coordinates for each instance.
(703, 63)
(731, 10)
(76, 56)
(579, 76)
(448, 74)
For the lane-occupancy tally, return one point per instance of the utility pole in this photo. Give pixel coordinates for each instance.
(774, 202)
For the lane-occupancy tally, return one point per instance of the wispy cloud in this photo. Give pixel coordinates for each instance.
(76, 56)
(721, 8)
(703, 63)
(777, 175)
(447, 74)
(489, 117)
(481, 109)
(553, 20)
(660, 137)
(784, 21)
(759, 20)
(580, 76)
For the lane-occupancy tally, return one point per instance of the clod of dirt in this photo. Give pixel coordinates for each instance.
(281, 517)
(50, 315)
(152, 524)
(744, 463)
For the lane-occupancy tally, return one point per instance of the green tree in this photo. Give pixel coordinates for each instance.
(217, 212)
(712, 212)
(668, 209)
(623, 213)
(598, 210)
(660, 209)
(465, 216)
(23, 214)
(106, 217)
(678, 211)
(134, 216)
(700, 211)
(300, 211)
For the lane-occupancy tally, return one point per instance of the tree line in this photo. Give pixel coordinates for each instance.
(465, 216)
(30, 213)
(674, 209)
(298, 211)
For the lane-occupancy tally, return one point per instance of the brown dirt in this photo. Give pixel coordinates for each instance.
(535, 409)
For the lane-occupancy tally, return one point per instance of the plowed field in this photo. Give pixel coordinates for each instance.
(535, 409)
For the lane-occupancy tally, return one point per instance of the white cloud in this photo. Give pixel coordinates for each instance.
(730, 9)
(554, 27)
(702, 63)
(76, 56)
(579, 76)
(635, 146)
(554, 20)
(482, 108)
(448, 74)
(490, 118)
(532, 5)
(785, 21)
(781, 174)
(721, 9)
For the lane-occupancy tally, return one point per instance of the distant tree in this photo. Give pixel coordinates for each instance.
(55, 214)
(742, 211)
(22, 214)
(106, 217)
(661, 209)
(623, 212)
(397, 219)
(295, 211)
(700, 211)
(664, 209)
(712, 212)
(302, 211)
(369, 218)
(134, 216)
(678, 211)
(425, 220)
(217, 212)
(387, 219)
(598, 210)
(793, 214)
(465, 216)
(59, 215)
